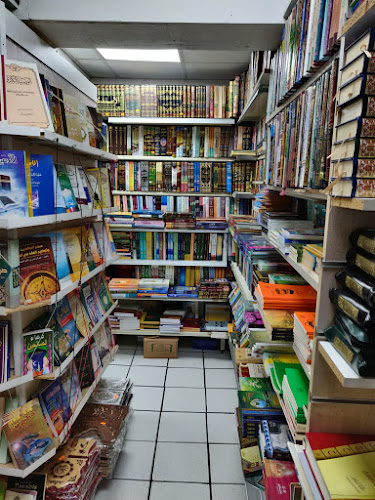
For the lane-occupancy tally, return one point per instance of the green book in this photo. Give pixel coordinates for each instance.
(66, 188)
(38, 352)
(286, 279)
(175, 246)
(278, 372)
(296, 390)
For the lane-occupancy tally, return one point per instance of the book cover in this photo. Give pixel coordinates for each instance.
(74, 244)
(55, 405)
(39, 280)
(71, 387)
(14, 184)
(58, 111)
(11, 403)
(38, 352)
(41, 178)
(80, 315)
(60, 205)
(28, 435)
(90, 299)
(33, 482)
(66, 188)
(72, 117)
(65, 318)
(61, 258)
(278, 475)
(77, 178)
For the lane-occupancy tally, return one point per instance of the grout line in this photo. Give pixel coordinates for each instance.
(157, 432)
(206, 417)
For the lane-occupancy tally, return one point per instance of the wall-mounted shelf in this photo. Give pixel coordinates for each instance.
(245, 292)
(241, 194)
(152, 262)
(10, 470)
(256, 106)
(16, 382)
(169, 193)
(305, 194)
(363, 204)
(148, 120)
(171, 158)
(122, 296)
(362, 19)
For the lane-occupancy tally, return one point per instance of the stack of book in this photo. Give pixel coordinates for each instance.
(116, 391)
(279, 325)
(215, 289)
(126, 286)
(126, 318)
(304, 327)
(353, 150)
(244, 224)
(296, 252)
(288, 297)
(123, 244)
(312, 256)
(287, 237)
(153, 287)
(174, 220)
(120, 220)
(217, 317)
(148, 219)
(183, 292)
(286, 279)
(354, 302)
(150, 320)
(217, 223)
(269, 200)
(170, 321)
(272, 220)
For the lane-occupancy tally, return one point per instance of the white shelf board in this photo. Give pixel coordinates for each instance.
(256, 106)
(176, 263)
(343, 371)
(62, 293)
(46, 136)
(10, 470)
(114, 227)
(167, 193)
(240, 194)
(153, 332)
(241, 282)
(78, 346)
(147, 120)
(295, 449)
(306, 366)
(121, 296)
(301, 269)
(16, 382)
(171, 158)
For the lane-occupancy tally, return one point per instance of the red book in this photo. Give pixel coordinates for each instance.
(278, 475)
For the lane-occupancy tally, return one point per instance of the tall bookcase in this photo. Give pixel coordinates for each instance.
(18, 42)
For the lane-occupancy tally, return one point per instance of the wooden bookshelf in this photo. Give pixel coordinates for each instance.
(147, 120)
(363, 204)
(172, 158)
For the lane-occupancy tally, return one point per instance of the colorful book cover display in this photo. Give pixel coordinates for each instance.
(38, 348)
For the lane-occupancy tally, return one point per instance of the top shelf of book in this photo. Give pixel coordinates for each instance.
(149, 120)
(362, 19)
(305, 194)
(256, 106)
(47, 137)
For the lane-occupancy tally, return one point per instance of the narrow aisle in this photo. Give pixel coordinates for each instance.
(182, 440)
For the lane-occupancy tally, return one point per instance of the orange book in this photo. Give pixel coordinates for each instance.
(307, 321)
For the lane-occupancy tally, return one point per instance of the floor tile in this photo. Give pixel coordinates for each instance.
(123, 357)
(181, 462)
(147, 398)
(140, 360)
(218, 360)
(221, 400)
(182, 427)
(147, 376)
(143, 426)
(185, 377)
(187, 400)
(118, 489)
(135, 460)
(225, 463)
(222, 428)
(182, 491)
(187, 359)
(220, 379)
(115, 371)
(225, 491)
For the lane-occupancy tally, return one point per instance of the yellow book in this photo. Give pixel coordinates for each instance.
(28, 185)
(131, 176)
(77, 257)
(149, 253)
(350, 477)
(187, 276)
(197, 275)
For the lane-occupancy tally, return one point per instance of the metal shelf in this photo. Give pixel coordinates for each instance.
(177, 263)
(147, 120)
(171, 193)
(171, 158)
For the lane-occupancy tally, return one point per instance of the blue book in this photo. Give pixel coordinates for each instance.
(63, 267)
(41, 176)
(65, 319)
(183, 276)
(229, 177)
(14, 187)
(198, 188)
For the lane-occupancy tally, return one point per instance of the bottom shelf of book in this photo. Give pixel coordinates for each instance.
(152, 332)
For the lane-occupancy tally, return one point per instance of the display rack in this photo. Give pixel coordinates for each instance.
(304, 194)
(120, 228)
(162, 262)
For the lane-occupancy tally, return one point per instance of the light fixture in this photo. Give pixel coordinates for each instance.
(146, 55)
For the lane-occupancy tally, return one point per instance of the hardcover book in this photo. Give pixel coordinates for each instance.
(66, 188)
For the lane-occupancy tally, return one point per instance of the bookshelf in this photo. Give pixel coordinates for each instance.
(146, 120)
(122, 296)
(256, 106)
(153, 262)
(362, 19)
(172, 158)
(170, 193)
(117, 228)
(304, 194)
(152, 332)
(240, 194)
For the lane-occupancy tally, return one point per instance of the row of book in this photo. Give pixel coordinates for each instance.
(177, 141)
(169, 246)
(52, 261)
(170, 101)
(286, 237)
(309, 39)
(72, 118)
(353, 144)
(32, 185)
(260, 62)
(301, 138)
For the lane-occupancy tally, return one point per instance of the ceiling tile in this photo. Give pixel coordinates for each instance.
(216, 56)
(126, 69)
(98, 69)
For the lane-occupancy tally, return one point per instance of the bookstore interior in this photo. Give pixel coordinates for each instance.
(187, 250)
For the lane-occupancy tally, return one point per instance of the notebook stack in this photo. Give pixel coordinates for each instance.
(215, 289)
(175, 220)
(126, 286)
(244, 224)
(286, 297)
(170, 321)
(183, 292)
(312, 256)
(153, 287)
(148, 219)
(126, 318)
(304, 323)
(120, 220)
(211, 223)
(353, 151)
(150, 321)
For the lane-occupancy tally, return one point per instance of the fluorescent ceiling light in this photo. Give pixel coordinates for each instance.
(163, 55)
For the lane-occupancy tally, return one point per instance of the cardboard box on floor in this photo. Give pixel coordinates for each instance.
(160, 347)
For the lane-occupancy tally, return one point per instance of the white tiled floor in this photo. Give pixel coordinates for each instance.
(182, 440)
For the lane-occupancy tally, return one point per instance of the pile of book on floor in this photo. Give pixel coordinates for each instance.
(182, 292)
(126, 286)
(171, 320)
(107, 423)
(215, 289)
(153, 287)
(304, 325)
(74, 471)
(211, 223)
(354, 322)
(175, 220)
(148, 219)
(353, 148)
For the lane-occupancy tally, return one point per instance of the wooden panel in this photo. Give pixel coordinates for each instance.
(325, 310)
(352, 418)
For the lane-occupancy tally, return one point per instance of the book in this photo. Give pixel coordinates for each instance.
(80, 315)
(41, 180)
(32, 483)
(27, 433)
(66, 188)
(37, 270)
(16, 495)
(72, 117)
(74, 245)
(60, 255)
(278, 475)
(15, 185)
(55, 406)
(11, 403)
(38, 352)
(71, 387)
(64, 317)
